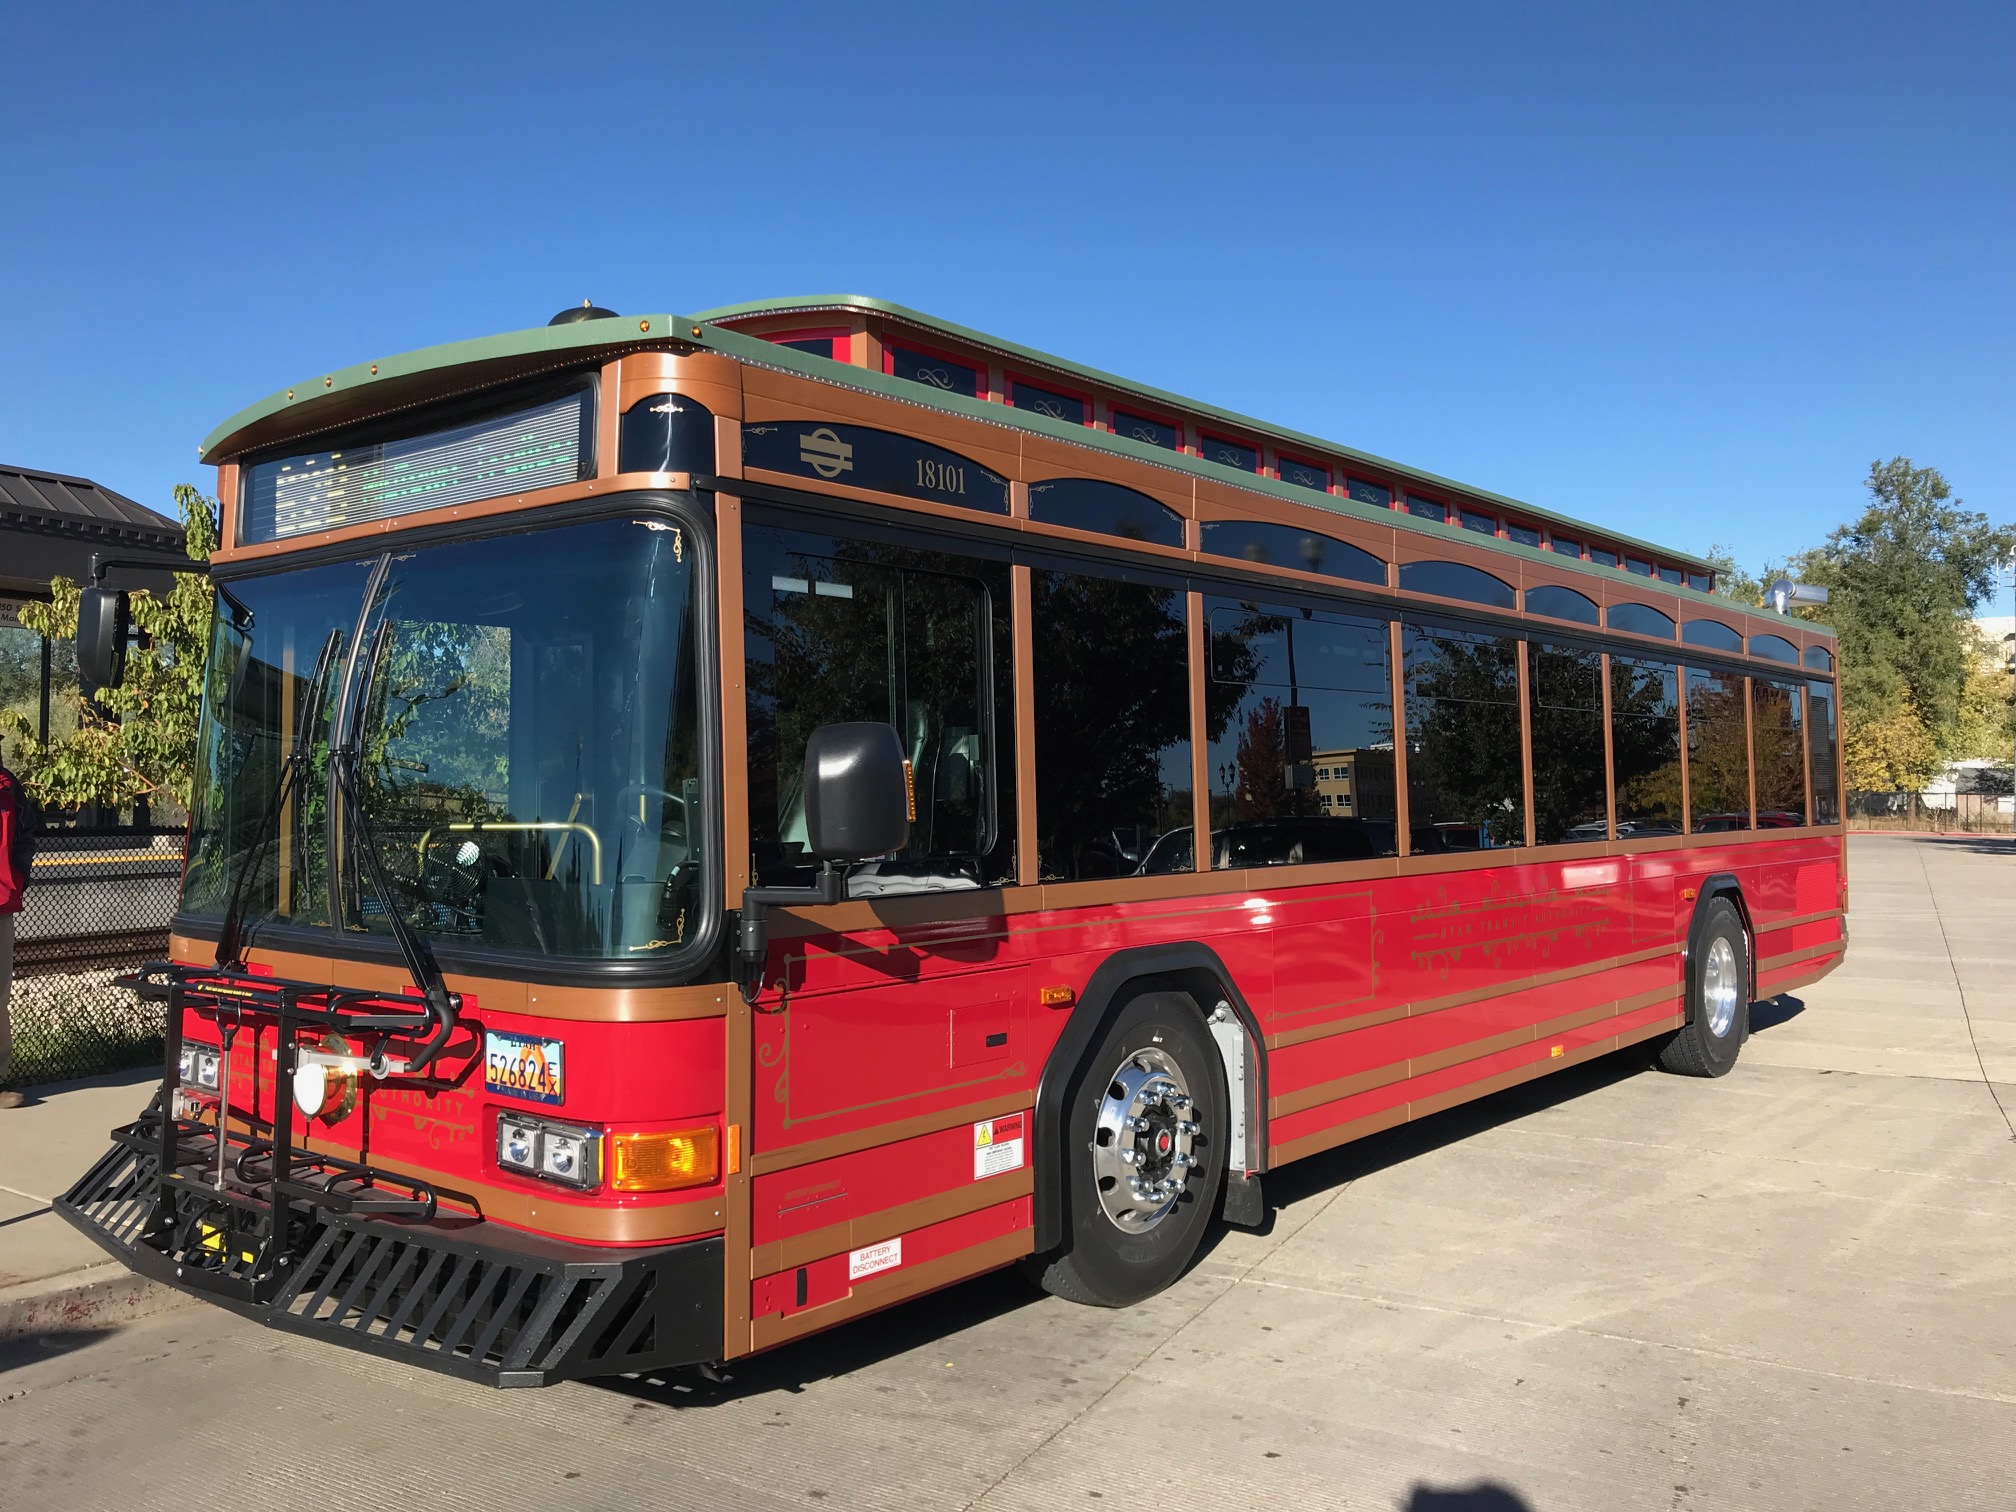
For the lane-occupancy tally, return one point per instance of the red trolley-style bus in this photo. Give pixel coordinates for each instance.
(710, 826)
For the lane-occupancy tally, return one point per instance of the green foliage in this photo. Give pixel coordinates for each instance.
(1904, 578)
(1732, 582)
(139, 740)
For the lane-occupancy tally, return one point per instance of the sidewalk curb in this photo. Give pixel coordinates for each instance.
(98, 1296)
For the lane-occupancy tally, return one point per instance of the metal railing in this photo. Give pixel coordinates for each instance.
(97, 906)
(1953, 813)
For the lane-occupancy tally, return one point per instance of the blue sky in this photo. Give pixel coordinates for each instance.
(1683, 270)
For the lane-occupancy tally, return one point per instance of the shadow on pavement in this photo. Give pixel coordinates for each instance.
(35, 1348)
(1485, 1496)
(1983, 844)
(1376, 1152)
(843, 1350)
(1772, 1012)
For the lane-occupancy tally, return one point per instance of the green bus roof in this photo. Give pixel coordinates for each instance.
(333, 398)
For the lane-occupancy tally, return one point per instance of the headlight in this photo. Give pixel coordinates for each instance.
(198, 1066)
(565, 1153)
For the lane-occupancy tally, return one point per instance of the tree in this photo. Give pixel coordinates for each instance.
(1904, 578)
(138, 741)
(1987, 722)
(1731, 581)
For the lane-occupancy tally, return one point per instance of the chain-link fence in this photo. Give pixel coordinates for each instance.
(1943, 813)
(96, 906)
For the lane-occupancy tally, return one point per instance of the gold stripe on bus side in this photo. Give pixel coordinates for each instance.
(1794, 957)
(1311, 1032)
(1387, 1118)
(786, 1157)
(880, 1291)
(1381, 1076)
(887, 1223)
(1769, 926)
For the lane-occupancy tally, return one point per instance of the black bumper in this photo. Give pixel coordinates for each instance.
(460, 1296)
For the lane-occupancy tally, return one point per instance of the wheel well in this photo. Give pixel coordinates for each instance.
(1721, 885)
(1192, 969)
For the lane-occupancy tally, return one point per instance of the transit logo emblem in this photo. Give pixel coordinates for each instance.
(825, 453)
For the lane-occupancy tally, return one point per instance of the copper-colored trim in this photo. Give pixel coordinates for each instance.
(1427, 1006)
(1200, 752)
(1767, 926)
(1008, 903)
(738, 1069)
(227, 508)
(1794, 957)
(1022, 602)
(887, 1223)
(766, 1162)
(1387, 1118)
(1809, 976)
(620, 1005)
(1805, 745)
(894, 1286)
(608, 418)
(1750, 743)
(1609, 754)
(1526, 742)
(1403, 833)
(1686, 781)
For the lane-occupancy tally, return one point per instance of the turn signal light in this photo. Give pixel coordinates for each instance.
(665, 1162)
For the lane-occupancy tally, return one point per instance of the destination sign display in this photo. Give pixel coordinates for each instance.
(538, 446)
(861, 457)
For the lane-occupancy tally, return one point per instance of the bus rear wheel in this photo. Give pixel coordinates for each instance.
(1718, 998)
(1144, 1138)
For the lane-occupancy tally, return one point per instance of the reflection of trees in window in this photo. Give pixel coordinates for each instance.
(1568, 776)
(1465, 782)
(1112, 721)
(1645, 745)
(843, 630)
(1302, 710)
(1825, 772)
(1779, 749)
(1718, 751)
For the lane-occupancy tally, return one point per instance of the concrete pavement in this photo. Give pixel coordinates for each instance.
(1791, 1288)
(51, 1276)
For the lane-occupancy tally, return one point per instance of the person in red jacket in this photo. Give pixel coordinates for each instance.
(15, 854)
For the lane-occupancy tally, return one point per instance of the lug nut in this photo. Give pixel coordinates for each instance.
(1141, 1126)
(1128, 1157)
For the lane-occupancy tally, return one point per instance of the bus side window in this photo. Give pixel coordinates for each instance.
(841, 630)
(1466, 787)
(1112, 722)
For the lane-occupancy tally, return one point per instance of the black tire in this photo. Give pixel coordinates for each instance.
(1698, 1050)
(1100, 1263)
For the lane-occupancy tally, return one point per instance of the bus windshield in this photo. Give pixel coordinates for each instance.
(529, 739)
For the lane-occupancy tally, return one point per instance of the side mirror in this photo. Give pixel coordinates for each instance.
(857, 792)
(857, 804)
(103, 623)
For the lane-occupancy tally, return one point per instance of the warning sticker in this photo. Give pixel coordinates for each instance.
(997, 1146)
(874, 1257)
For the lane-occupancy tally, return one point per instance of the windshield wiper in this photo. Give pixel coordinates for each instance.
(230, 934)
(345, 768)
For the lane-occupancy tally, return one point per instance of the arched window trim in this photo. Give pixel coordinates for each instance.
(1509, 602)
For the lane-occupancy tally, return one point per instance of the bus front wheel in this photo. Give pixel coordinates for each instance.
(1718, 998)
(1145, 1142)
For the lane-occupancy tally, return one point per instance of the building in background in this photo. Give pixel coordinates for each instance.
(51, 525)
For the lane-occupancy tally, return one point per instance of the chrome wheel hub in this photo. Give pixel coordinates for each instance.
(1721, 981)
(1144, 1142)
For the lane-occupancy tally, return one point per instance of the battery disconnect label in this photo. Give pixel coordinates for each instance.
(875, 1257)
(997, 1146)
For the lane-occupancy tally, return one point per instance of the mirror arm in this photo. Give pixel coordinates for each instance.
(100, 565)
(752, 934)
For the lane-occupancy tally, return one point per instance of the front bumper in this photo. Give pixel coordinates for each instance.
(460, 1296)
